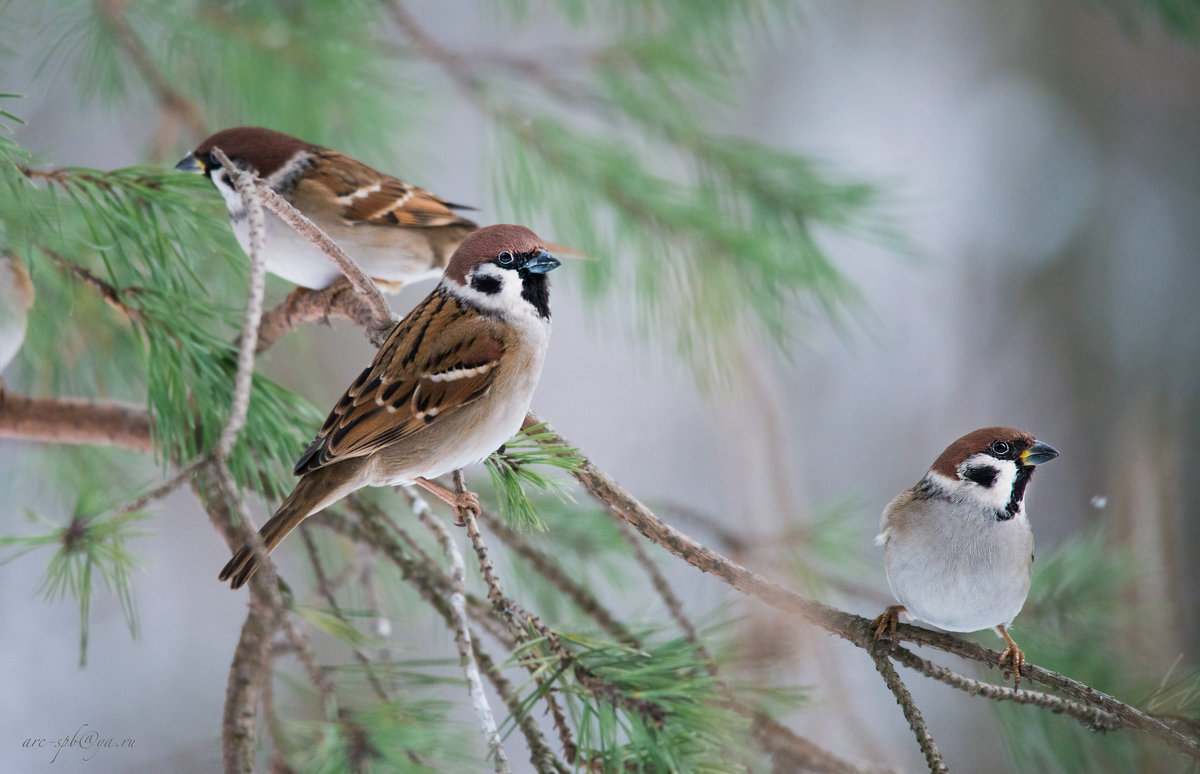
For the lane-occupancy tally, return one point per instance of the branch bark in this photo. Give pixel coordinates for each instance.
(75, 421)
(933, 756)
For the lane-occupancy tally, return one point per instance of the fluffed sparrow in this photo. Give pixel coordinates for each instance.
(397, 233)
(450, 385)
(958, 549)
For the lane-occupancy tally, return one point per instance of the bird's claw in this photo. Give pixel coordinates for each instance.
(1016, 659)
(468, 501)
(885, 625)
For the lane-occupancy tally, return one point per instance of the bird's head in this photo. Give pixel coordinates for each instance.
(990, 467)
(274, 156)
(502, 270)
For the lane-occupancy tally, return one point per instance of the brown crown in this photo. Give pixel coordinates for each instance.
(977, 442)
(264, 149)
(485, 244)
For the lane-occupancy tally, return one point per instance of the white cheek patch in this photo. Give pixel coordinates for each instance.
(995, 496)
(506, 300)
(233, 200)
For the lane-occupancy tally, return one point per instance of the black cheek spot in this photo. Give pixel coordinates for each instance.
(984, 475)
(485, 283)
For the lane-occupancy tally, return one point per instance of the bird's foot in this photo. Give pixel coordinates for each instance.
(885, 625)
(468, 501)
(460, 501)
(292, 300)
(1013, 655)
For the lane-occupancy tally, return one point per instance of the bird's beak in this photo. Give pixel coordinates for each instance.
(190, 163)
(541, 263)
(1038, 453)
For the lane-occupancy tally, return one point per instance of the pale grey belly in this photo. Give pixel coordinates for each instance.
(403, 258)
(962, 579)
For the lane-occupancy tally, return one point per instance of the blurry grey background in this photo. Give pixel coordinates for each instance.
(1045, 162)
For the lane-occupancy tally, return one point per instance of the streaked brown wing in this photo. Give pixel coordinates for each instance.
(395, 203)
(363, 195)
(433, 363)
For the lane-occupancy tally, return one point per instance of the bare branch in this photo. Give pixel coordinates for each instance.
(1091, 717)
(338, 301)
(462, 631)
(249, 187)
(553, 572)
(913, 715)
(74, 421)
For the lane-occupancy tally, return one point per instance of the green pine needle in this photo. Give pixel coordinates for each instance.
(512, 468)
(88, 546)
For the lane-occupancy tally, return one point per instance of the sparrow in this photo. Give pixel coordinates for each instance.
(397, 233)
(450, 385)
(16, 297)
(958, 550)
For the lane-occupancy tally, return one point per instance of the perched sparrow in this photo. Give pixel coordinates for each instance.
(397, 233)
(957, 546)
(450, 385)
(16, 296)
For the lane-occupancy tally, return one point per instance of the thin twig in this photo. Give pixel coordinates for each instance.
(275, 727)
(913, 715)
(1092, 717)
(338, 301)
(552, 571)
(541, 755)
(162, 490)
(248, 186)
(111, 294)
(788, 749)
(462, 633)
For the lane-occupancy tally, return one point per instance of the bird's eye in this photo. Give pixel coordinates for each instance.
(505, 258)
(1000, 448)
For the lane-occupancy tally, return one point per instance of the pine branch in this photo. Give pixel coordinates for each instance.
(853, 628)
(913, 715)
(1092, 717)
(553, 573)
(462, 633)
(75, 421)
(338, 301)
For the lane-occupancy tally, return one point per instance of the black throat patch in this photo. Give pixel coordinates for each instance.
(1024, 472)
(535, 289)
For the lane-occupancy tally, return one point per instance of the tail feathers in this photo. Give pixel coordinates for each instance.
(315, 491)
